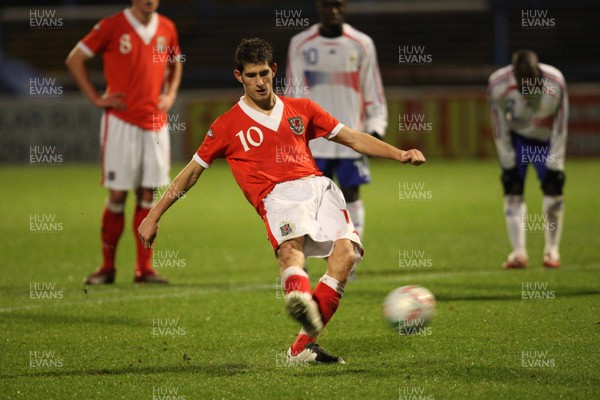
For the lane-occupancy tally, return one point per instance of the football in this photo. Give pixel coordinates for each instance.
(409, 309)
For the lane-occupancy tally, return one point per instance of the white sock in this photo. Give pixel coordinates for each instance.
(515, 210)
(357, 215)
(553, 211)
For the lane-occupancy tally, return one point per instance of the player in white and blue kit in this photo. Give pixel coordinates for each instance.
(338, 66)
(530, 107)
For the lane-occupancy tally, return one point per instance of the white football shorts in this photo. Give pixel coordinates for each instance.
(313, 207)
(133, 157)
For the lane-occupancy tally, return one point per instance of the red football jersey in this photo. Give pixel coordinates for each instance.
(135, 59)
(263, 150)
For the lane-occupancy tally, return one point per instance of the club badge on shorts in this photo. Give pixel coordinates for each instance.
(296, 125)
(286, 229)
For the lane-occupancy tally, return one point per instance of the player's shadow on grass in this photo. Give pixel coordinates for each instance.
(216, 370)
(328, 370)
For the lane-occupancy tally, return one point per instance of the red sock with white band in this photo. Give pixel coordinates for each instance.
(327, 295)
(295, 279)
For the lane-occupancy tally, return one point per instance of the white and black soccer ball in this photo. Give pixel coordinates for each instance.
(409, 309)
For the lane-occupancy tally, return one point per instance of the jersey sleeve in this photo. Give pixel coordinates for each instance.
(500, 130)
(95, 42)
(372, 90)
(294, 72)
(323, 124)
(213, 146)
(558, 137)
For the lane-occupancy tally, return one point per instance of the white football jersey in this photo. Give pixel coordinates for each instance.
(541, 113)
(341, 75)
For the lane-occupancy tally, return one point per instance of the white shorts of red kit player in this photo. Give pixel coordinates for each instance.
(133, 157)
(313, 207)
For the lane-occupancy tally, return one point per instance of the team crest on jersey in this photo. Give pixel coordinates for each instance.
(286, 229)
(296, 125)
(161, 44)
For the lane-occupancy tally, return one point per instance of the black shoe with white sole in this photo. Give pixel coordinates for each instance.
(314, 354)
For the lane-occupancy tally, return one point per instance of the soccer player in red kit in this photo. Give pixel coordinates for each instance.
(141, 56)
(264, 138)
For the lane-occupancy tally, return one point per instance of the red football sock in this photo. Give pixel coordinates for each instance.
(296, 282)
(112, 228)
(328, 300)
(144, 256)
(301, 341)
(295, 278)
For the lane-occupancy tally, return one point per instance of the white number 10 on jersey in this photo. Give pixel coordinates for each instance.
(248, 138)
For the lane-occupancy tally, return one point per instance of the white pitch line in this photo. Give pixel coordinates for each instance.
(263, 286)
(412, 274)
(113, 299)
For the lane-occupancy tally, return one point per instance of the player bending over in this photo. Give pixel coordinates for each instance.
(303, 211)
(530, 109)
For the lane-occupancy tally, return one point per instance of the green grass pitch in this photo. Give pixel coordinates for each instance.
(219, 330)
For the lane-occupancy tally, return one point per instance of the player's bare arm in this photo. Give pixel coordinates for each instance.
(172, 82)
(181, 184)
(76, 64)
(370, 146)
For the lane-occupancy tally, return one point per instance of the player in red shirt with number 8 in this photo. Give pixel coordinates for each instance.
(142, 67)
(264, 138)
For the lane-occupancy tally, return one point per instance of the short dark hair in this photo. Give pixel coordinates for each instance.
(253, 51)
(524, 60)
(525, 66)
